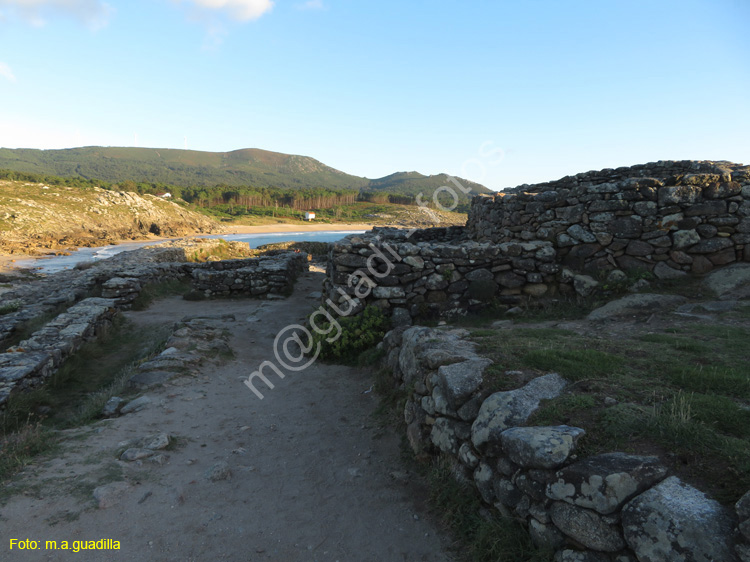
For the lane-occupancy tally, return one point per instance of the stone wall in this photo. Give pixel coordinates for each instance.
(270, 274)
(418, 278)
(668, 218)
(30, 363)
(607, 508)
(664, 217)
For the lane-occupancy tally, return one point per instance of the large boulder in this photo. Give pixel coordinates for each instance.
(674, 521)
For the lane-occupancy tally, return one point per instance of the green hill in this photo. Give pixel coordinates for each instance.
(412, 183)
(246, 167)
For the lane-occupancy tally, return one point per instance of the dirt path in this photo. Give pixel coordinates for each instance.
(313, 476)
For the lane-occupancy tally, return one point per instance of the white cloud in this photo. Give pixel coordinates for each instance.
(312, 5)
(6, 72)
(215, 35)
(94, 13)
(240, 10)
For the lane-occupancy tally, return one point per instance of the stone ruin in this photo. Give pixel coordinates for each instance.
(612, 507)
(564, 237)
(79, 318)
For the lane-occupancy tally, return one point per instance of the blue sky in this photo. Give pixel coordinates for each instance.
(503, 92)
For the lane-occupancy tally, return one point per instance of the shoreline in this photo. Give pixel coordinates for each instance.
(7, 261)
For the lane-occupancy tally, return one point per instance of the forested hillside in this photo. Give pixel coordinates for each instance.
(150, 170)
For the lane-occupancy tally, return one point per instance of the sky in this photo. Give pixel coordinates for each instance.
(503, 92)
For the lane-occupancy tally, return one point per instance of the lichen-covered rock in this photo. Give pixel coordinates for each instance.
(743, 515)
(459, 381)
(634, 304)
(584, 285)
(605, 482)
(587, 527)
(447, 434)
(674, 521)
(483, 476)
(507, 493)
(568, 555)
(540, 447)
(733, 280)
(467, 455)
(408, 358)
(503, 410)
(545, 536)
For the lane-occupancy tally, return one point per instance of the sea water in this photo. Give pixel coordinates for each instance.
(52, 264)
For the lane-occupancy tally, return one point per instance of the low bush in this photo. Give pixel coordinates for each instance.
(354, 335)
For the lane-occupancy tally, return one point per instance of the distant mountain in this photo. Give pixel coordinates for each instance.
(412, 183)
(251, 166)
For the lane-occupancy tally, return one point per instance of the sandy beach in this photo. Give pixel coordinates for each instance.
(7, 261)
(296, 227)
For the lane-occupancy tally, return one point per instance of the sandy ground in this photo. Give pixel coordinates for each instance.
(296, 227)
(314, 476)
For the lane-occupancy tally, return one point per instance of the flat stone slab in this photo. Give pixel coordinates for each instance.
(730, 282)
(636, 304)
(540, 447)
(150, 379)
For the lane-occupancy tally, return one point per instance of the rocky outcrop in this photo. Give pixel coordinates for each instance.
(612, 507)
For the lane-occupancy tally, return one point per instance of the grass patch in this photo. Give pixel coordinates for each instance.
(676, 342)
(76, 393)
(682, 392)
(19, 448)
(484, 537)
(574, 364)
(550, 412)
(724, 380)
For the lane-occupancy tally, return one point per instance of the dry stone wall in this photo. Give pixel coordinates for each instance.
(415, 278)
(270, 274)
(30, 363)
(665, 217)
(671, 219)
(611, 507)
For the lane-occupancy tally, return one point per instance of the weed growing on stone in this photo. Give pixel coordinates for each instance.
(358, 334)
(10, 307)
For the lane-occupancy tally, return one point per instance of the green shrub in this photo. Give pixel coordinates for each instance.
(9, 307)
(357, 334)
